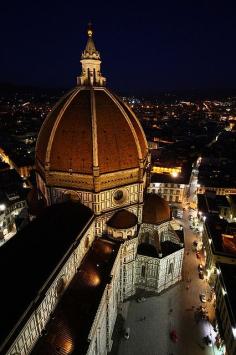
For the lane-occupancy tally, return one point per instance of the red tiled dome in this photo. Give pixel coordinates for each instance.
(122, 219)
(155, 210)
(90, 127)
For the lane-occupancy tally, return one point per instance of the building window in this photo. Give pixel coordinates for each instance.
(60, 286)
(119, 196)
(143, 270)
(86, 244)
(171, 267)
(145, 237)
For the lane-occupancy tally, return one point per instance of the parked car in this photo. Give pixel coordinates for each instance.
(198, 255)
(208, 340)
(126, 333)
(200, 267)
(141, 299)
(201, 275)
(202, 297)
(173, 336)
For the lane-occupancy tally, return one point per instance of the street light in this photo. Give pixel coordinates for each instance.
(234, 332)
(223, 291)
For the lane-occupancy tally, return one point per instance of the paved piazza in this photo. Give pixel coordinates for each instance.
(151, 321)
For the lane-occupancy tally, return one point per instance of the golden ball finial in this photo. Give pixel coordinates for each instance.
(90, 30)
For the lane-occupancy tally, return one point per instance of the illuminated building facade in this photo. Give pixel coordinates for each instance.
(173, 187)
(12, 202)
(22, 169)
(92, 152)
(225, 304)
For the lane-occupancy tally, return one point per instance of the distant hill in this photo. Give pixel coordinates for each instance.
(172, 96)
(9, 89)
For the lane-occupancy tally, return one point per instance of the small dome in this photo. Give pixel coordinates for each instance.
(122, 219)
(155, 210)
(90, 132)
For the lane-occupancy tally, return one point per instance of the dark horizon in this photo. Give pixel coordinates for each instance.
(9, 89)
(144, 49)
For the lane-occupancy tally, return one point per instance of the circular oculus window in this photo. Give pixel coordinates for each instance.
(119, 196)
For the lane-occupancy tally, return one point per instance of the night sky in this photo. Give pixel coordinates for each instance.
(145, 46)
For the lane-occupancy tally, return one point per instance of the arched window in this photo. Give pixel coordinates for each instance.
(145, 237)
(143, 270)
(171, 267)
(86, 243)
(60, 286)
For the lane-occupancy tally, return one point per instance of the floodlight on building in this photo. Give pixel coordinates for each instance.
(218, 271)
(204, 218)
(234, 332)
(223, 291)
(174, 174)
(2, 207)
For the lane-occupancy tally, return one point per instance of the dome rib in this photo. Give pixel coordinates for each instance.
(94, 129)
(46, 128)
(59, 117)
(117, 148)
(128, 121)
(137, 126)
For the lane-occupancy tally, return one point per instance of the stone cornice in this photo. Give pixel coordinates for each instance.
(86, 182)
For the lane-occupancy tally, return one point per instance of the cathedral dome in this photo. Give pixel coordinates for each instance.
(90, 135)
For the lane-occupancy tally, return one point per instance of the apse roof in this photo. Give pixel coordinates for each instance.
(155, 210)
(122, 219)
